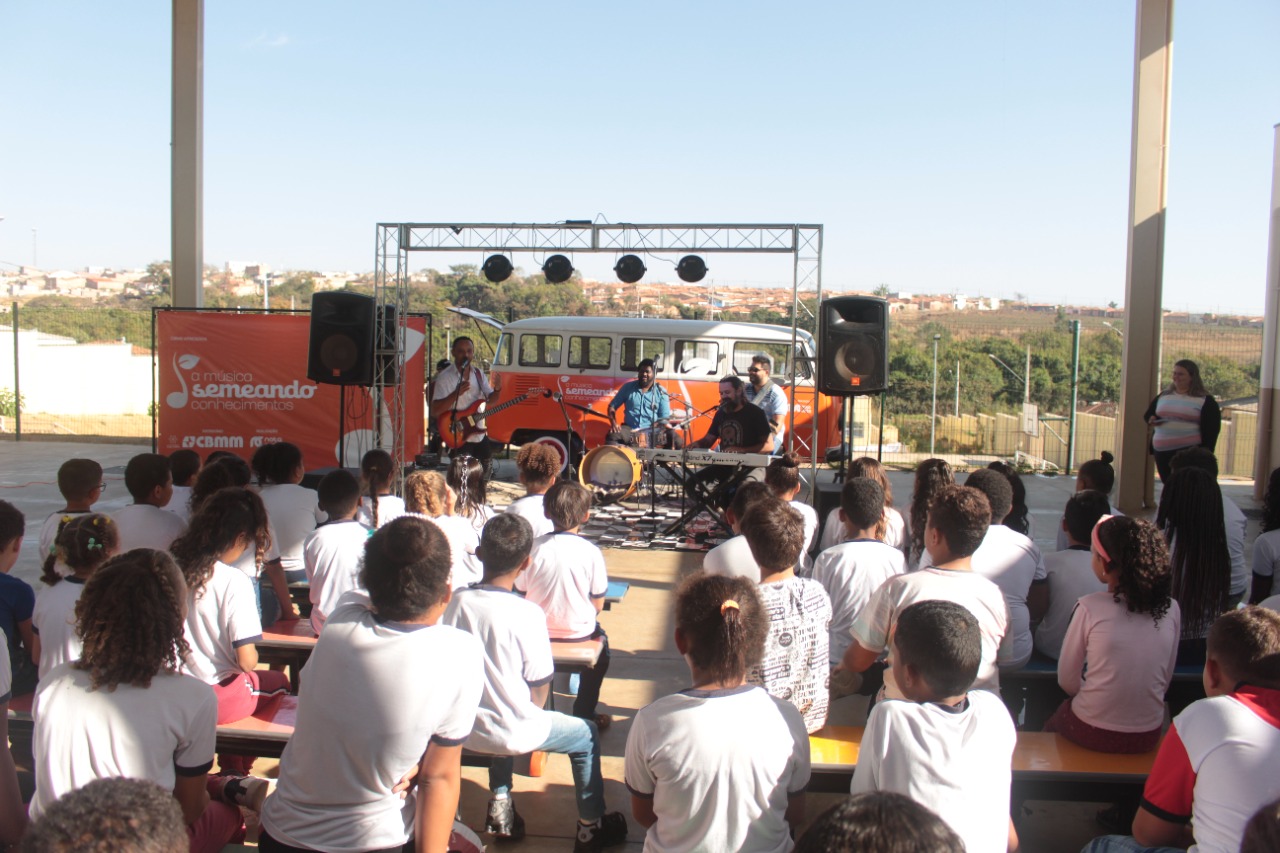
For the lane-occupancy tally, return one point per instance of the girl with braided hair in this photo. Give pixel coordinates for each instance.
(222, 612)
(428, 496)
(932, 476)
(722, 741)
(377, 475)
(84, 544)
(1190, 515)
(125, 709)
(1126, 637)
(466, 478)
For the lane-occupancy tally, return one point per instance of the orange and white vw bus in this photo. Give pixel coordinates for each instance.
(582, 362)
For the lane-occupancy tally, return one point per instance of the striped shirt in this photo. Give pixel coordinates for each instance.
(1180, 414)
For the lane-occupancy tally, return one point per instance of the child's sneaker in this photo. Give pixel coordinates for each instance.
(246, 791)
(503, 821)
(611, 830)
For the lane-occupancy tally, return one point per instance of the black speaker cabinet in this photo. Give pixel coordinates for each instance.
(853, 345)
(340, 349)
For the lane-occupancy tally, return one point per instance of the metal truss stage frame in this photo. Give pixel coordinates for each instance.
(396, 241)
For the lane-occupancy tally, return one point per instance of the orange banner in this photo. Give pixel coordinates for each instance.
(238, 381)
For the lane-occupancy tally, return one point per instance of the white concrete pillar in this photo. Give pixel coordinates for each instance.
(1268, 453)
(187, 156)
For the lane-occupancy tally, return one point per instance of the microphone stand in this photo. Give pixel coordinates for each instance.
(569, 435)
(453, 415)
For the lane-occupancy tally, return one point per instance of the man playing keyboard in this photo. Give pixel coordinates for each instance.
(738, 427)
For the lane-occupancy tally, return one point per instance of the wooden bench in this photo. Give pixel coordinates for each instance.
(300, 592)
(1045, 766)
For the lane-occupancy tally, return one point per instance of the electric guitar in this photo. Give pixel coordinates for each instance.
(456, 427)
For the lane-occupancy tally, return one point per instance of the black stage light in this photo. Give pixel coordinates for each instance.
(629, 269)
(557, 269)
(497, 268)
(691, 268)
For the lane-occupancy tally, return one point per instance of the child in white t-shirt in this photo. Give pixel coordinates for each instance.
(378, 475)
(795, 664)
(426, 495)
(85, 543)
(223, 625)
(332, 552)
(958, 519)
(1069, 573)
(894, 532)
(722, 765)
(1094, 475)
(81, 484)
(537, 466)
(567, 579)
(851, 571)
(518, 670)
(944, 745)
(782, 476)
(1118, 655)
(144, 523)
(389, 698)
(466, 478)
(184, 467)
(294, 510)
(732, 557)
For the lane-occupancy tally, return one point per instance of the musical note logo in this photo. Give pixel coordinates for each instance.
(187, 361)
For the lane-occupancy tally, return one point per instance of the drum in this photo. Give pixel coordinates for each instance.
(610, 472)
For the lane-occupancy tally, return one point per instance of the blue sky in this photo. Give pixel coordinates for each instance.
(977, 147)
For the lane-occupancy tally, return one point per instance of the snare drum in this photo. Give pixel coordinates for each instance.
(610, 472)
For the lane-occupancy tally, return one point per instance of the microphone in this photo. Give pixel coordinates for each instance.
(712, 409)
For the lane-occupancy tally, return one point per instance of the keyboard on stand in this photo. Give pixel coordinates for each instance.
(698, 458)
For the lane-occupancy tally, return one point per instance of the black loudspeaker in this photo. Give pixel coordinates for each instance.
(853, 345)
(340, 349)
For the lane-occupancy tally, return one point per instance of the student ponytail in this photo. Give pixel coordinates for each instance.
(1137, 550)
(724, 624)
(49, 572)
(1190, 515)
(376, 468)
(83, 543)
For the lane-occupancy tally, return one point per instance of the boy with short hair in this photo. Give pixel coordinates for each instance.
(1216, 765)
(81, 485)
(852, 570)
(1069, 573)
(144, 523)
(17, 602)
(518, 672)
(794, 666)
(331, 553)
(964, 737)
(567, 579)
(1012, 562)
(958, 519)
(184, 465)
(732, 557)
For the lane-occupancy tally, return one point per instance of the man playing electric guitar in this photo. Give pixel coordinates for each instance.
(458, 388)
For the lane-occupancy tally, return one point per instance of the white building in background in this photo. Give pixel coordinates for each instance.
(60, 376)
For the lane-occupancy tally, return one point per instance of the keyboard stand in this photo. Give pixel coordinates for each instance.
(705, 492)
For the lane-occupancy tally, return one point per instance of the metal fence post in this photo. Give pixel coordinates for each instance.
(17, 389)
(1075, 392)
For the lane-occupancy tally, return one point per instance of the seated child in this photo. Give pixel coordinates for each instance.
(721, 765)
(184, 465)
(81, 485)
(894, 531)
(332, 552)
(85, 543)
(222, 615)
(567, 579)
(964, 737)
(17, 603)
(1012, 562)
(852, 570)
(467, 479)
(518, 671)
(932, 475)
(958, 519)
(144, 523)
(1117, 657)
(1234, 522)
(109, 816)
(293, 509)
(390, 694)
(783, 479)
(795, 664)
(378, 475)
(124, 709)
(1095, 475)
(1216, 764)
(732, 557)
(427, 496)
(1019, 518)
(1069, 572)
(879, 822)
(537, 466)
(13, 812)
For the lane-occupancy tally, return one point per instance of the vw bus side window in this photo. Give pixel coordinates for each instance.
(590, 353)
(503, 354)
(697, 358)
(540, 350)
(779, 359)
(636, 350)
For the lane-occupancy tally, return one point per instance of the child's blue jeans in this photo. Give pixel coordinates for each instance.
(580, 740)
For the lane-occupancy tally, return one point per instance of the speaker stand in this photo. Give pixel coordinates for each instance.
(342, 425)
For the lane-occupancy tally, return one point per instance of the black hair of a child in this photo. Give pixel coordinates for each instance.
(1137, 549)
(942, 642)
(215, 455)
(1271, 503)
(145, 473)
(505, 541)
(221, 473)
(783, 473)
(932, 475)
(183, 465)
(107, 816)
(862, 500)
(277, 464)
(775, 534)
(1098, 473)
(215, 527)
(83, 542)
(12, 524)
(879, 822)
(962, 515)
(1195, 457)
(406, 568)
(1190, 514)
(566, 504)
(1246, 645)
(996, 487)
(748, 495)
(338, 493)
(1262, 832)
(1082, 512)
(465, 475)
(1018, 518)
(723, 621)
(77, 478)
(378, 469)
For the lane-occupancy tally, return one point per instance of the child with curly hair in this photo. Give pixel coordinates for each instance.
(427, 495)
(1126, 638)
(377, 475)
(537, 466)
(932, 476)
(125, 709)
(85, 543)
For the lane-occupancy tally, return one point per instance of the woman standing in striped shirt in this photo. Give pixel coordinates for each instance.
(1184, 415)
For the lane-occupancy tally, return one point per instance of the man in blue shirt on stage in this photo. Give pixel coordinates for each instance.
(648, 410)
(770, 398)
